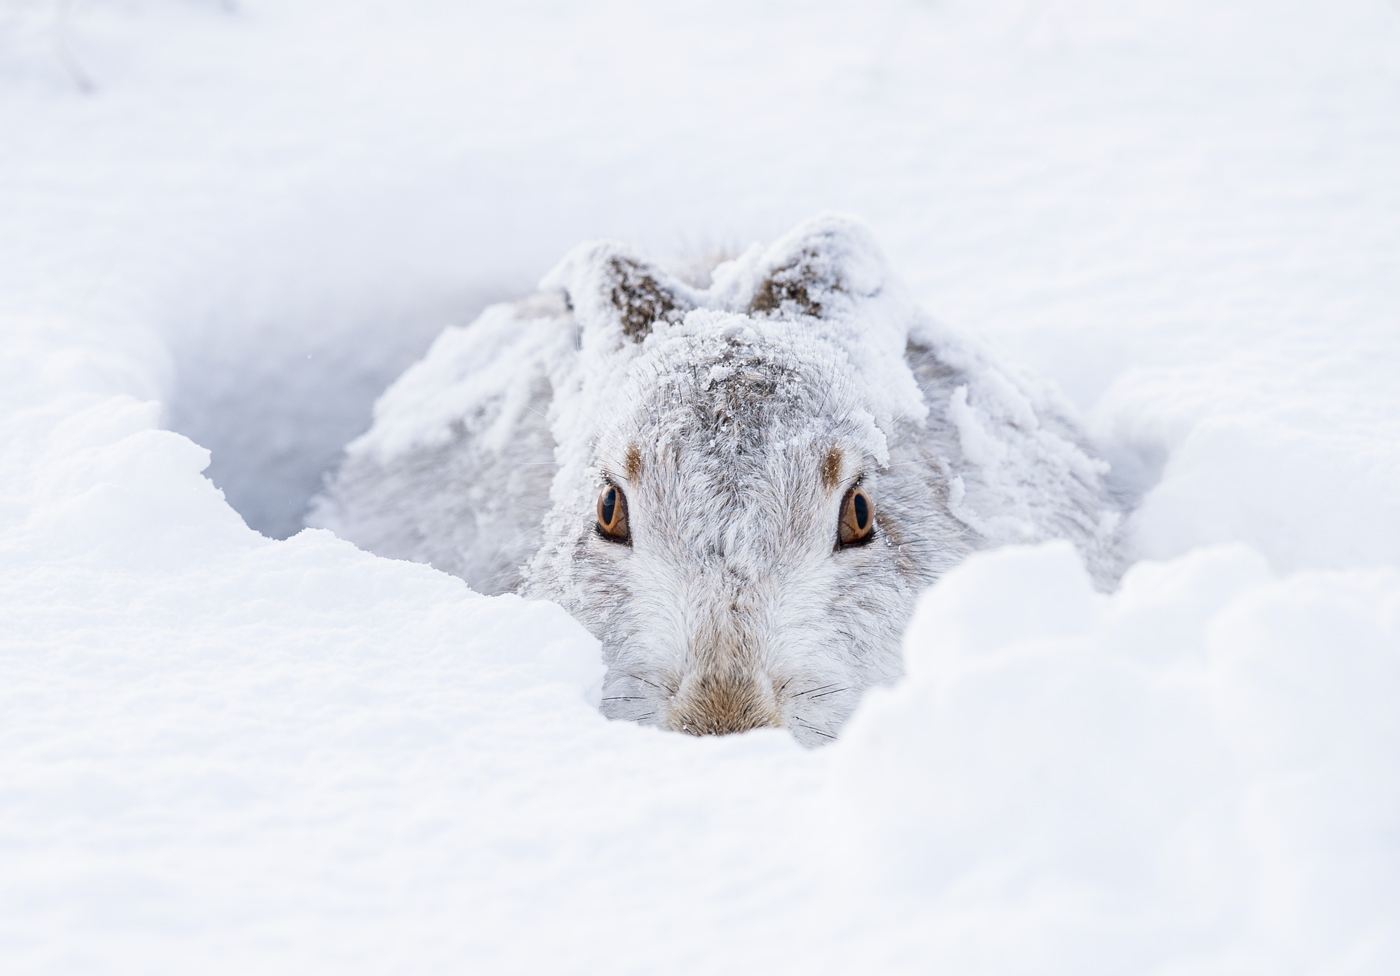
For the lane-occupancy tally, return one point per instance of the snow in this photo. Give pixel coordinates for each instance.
(1183, 774)
(228, 751)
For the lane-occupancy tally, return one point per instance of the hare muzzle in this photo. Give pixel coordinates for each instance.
(725, 691)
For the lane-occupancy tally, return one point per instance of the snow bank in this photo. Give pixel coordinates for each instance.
(1190, 775)
(225, 752)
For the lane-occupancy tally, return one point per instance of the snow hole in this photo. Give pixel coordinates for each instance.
(276, 389)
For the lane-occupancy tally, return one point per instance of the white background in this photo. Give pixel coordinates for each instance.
(232, 225)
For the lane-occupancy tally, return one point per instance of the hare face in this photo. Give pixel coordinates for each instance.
(744, 559)
(745, 506)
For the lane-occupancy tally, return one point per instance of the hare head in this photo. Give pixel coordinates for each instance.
(741, 522)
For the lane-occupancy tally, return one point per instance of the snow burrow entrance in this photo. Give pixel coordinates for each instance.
(275, 390)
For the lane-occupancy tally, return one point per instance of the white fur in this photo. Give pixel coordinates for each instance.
(733, 605)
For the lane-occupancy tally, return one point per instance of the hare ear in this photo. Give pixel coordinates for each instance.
(642, 295)
(611, 289)
(823, 265)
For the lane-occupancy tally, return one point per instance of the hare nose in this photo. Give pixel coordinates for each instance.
(722, 701)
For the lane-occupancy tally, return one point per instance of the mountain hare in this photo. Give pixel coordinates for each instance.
(739, 489)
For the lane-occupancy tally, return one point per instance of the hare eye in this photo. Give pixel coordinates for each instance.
(612, 514)
(857, 517)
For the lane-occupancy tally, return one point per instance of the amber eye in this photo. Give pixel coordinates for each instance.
(612, 514)
(857, 517)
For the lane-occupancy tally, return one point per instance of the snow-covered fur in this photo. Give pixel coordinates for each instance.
(734, 420)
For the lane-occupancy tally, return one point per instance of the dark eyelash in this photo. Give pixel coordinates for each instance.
(598, 530)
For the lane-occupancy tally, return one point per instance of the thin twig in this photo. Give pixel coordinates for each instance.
(65, 54)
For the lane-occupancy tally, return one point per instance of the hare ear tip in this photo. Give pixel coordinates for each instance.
(835, 224)
(610, 283)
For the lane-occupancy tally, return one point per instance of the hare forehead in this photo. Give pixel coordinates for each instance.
(737, 443)
(737, 404)
(752, 436)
